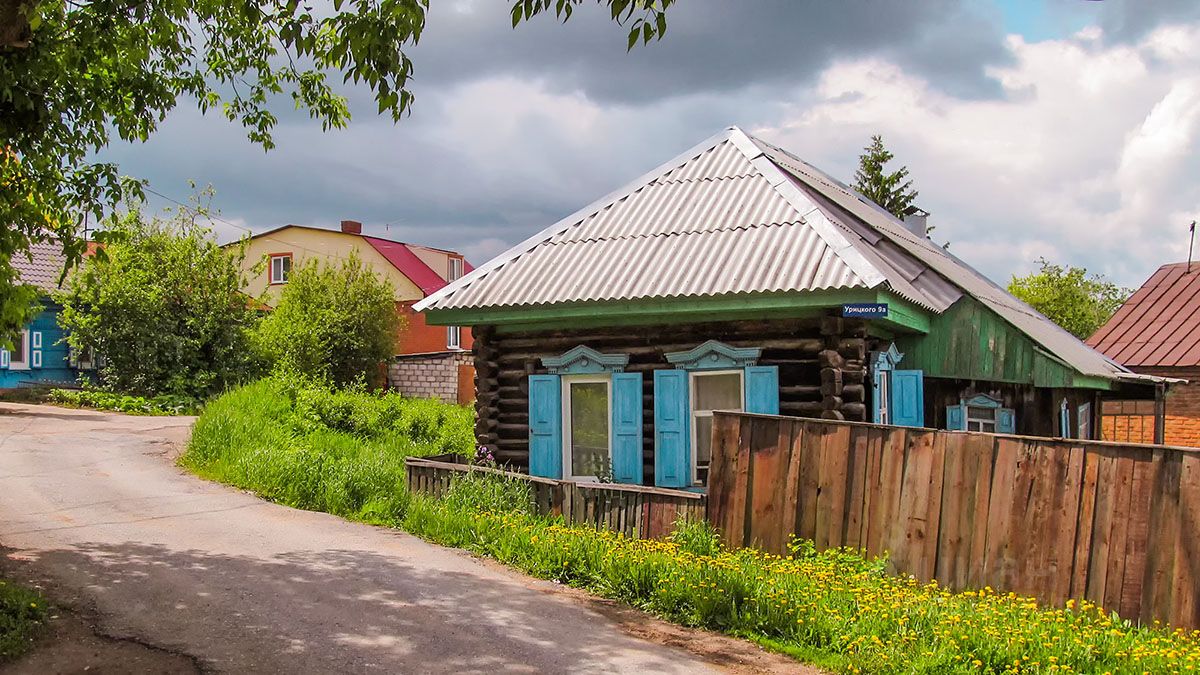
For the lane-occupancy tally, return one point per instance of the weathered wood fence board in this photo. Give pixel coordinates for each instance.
(1116, 524)
(636, 511)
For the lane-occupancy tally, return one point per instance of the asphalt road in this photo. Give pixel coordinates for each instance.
(94, 502)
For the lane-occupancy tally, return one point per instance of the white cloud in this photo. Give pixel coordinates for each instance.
(1090, 158)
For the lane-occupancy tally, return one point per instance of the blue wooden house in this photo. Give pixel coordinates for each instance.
(736, 276)
(40, 355)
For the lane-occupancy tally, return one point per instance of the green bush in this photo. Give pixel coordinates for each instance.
(331, 322)
(22, 613)
(163, 303)
(304, 444)
(135, 405)
(833, 608)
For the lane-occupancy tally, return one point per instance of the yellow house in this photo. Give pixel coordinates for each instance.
(430, 360)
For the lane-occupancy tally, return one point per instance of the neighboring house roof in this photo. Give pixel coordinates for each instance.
(1159, 325)
(42, 267)
(736, 215)
(398, 253)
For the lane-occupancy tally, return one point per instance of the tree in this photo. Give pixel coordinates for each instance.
(164, 306)
(75, 72)
(336, 323)
(889, 190)
(1069, 297)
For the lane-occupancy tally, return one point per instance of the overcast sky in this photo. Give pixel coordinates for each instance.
(1068, 129)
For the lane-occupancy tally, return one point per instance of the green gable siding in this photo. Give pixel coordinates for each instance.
(970, 342)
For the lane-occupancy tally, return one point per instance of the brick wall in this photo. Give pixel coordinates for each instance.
(1183, 414)
(435, 375)
(418, 337)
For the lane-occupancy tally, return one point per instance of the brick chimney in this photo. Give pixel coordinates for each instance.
(351, 227)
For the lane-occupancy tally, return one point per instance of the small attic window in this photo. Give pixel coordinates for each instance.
(281, 267)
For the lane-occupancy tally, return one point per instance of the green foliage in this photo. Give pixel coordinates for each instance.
(1070, 297)
(298, 442)
(332, 322)
(832, 607)
(135, 405)
(163, 305)
(696, 537)
(22, 614)
(484, 492)
(75, 74)
(892, 190)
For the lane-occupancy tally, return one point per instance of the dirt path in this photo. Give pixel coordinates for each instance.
(162, 572)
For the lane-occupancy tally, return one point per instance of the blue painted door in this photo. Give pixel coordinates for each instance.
(672, 431)
(762, 390)
(1006, 421)
(545, 426)
(908, 398)
(627, 427)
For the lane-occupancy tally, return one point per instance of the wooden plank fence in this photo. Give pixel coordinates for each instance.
(1118, 525)
(635, 510)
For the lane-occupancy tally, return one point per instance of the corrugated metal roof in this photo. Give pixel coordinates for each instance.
(42, 267)
(1159, 325)
(707, 223)
(736, 215)
(1041, 330)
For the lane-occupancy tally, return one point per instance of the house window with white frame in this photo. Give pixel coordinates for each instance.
(454, 272)
(981, 418)
(281, 267)
(587, 433)
(710, 390)
(18, 356)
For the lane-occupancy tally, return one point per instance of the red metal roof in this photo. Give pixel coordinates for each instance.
(1159, 325)
(408, 263)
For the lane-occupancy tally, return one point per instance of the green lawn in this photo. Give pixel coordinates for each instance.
(22, 615)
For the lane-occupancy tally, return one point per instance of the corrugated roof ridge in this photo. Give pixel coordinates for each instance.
(674, 233)
(576, 217)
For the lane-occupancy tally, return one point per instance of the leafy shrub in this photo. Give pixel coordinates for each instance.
(834, 607)
(302, 443)
(696, 537)
(137, 405)
(336, 323)
(22, 613)
(163, 303)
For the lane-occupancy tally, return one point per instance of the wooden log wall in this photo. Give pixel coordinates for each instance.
(1118, 525)
(633, 510)
(822, 370)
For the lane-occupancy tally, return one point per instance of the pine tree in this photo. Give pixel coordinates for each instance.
(890, 190)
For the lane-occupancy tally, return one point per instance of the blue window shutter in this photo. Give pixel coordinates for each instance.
(1064, 420)
(545, 426)
(956, 418)
(908, 398)
(1006, 421)
(762, 389)
(672, 429)
(627, 428)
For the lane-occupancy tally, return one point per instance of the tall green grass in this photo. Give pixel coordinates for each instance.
(306, 445)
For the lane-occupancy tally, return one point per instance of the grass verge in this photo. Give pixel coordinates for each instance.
(22, 615)
(834, 609)
(133, 405)
(300, 443)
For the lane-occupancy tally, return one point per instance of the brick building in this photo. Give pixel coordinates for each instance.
(1157, 332)
(429, 359)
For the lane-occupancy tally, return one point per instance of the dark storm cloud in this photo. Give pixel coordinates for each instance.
(1128, 20)
(711, 46)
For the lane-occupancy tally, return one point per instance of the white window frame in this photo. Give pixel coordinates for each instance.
(885, 397)
(567, 381)
(693, 413)
(994, 420)
(453, 337)
(14, 364)
(283, 275)
(454, 269)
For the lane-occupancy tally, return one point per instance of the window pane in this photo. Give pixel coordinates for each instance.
(589, 429)
(704, 425)
(719, 392)
(18, 350)
(975, 412)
